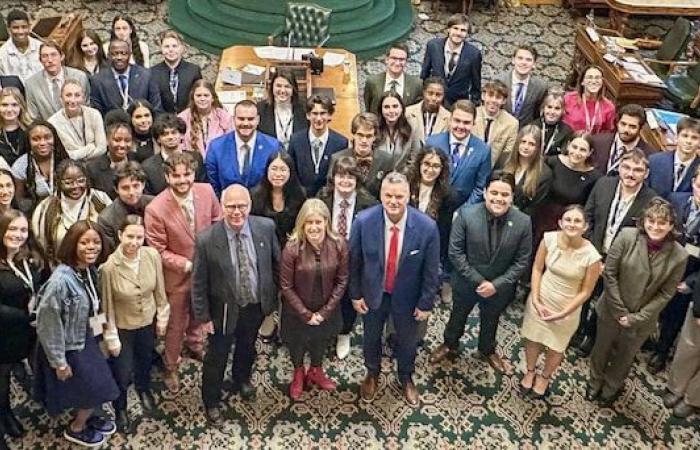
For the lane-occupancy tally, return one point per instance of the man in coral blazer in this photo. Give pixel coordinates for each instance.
(173, 219)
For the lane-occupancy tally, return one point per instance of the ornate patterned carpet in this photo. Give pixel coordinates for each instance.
(464, 405)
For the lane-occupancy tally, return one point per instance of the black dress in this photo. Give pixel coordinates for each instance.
(17, 337)
(284, 220)
(143, 144)
(12, 145)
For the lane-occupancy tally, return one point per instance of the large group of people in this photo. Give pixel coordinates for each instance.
(133, 206)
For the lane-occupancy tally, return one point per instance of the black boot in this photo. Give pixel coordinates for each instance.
(148, 403)
(121, 419)
(656, 363)
(11, 425)
(585, 348)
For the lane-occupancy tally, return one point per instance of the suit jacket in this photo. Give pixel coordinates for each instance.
(213, 286)
(661, 174)
(107, 96)
(155, 173)
(187, 74)
(85, 144)
(598, 209)
(363, 200)
(40, 101)
(468, 180)
(639, 286)
(112, 217)
(465, 82)
(602, 143)
(472, 259)
(536, 90)
(222, 161)
(266, 109)
(414, 115)
(381, 165)
(101, 174)
(168, 232)
(300, 152)
(374, 88)
(502, 134)
(417, 273)
(12, 81)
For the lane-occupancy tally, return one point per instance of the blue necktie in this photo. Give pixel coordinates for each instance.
(519, 97)
(455, 154)
(122, 84)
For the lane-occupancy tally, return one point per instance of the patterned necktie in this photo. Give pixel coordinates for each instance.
(343, 218)
(455, 154)
(56, 92)
(245, 290)
(393, 85)
(174, 83)
(453, 63)
(318, 151)
(188, 211)
(245, 148)
(679, 176)
(390, 270)
(487, 130)
(617, 153)
(519, 97)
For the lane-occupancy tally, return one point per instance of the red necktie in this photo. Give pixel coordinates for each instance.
(390, 270)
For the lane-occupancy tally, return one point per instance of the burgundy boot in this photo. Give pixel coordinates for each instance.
(317, 376)
(296, 387)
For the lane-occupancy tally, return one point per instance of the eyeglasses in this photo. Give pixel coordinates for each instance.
(232, 208)
(427, 165)
(82, 181)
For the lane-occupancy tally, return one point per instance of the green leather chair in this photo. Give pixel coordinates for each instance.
(672, 48)
(305, 25)
(684, 90)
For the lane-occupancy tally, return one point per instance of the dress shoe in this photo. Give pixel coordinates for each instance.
(656, 363)
(296, 387)
(368, 388)
(576, 340)
(584, 350)
(410, 393)
(440, 353)
(592, 392)
(607, 398)
(499, 364)
(683, 410)
(317, 376)
(148, 403)
(121, 419)
(214, 416)
(171, 380)
(342, 347)
(247, 391)
(671, 399)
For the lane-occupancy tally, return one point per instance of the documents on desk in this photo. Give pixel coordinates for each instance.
(281, 53)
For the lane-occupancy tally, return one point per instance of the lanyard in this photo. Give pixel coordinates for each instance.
(14, 149)
(286, 128)
(317, 161)
(92, 293)
(547, 146)
(38, 170)
(429, 120)
(619, 210)
(25, 276)
(590, 121)
(81, 136)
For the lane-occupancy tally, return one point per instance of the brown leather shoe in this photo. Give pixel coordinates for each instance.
(171, 380)
(410, 393)
(368, 388)
(499, 364)
(440, 353)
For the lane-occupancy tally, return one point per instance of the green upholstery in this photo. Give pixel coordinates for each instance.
(305, 25)
(673, 46)
(682, 89)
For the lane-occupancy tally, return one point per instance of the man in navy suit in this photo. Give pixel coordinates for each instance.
(240, 157)
(394, 260)
(455, 61)
(311, 149)
(673, 172)
(118, 87)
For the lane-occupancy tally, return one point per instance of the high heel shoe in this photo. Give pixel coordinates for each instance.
(524, 390)
(537, 395)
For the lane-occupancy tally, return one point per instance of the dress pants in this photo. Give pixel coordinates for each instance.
(684, 378)
(671, 322)
(136, 357)
(613, 354)
(405, 348)
(349, 314)
(464, 299)
(249, 320)
(181, 329)
(5, 381)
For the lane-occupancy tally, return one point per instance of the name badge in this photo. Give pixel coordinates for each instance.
(693, 250)
(97, 324)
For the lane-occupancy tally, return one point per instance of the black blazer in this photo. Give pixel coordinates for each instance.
(155, 173)
(465, 82)
(363, 200)
(382, 163)
(598, 209)
(529, 205)
(559, 141)
(106, 96)
(112, 216)
(266, 109)
(12, 81)
(300, 152)
(187, 74)
(101, 175)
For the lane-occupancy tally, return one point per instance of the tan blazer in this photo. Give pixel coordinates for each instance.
(132, 300)
(414, 115)
(502, 135)
(637, 286)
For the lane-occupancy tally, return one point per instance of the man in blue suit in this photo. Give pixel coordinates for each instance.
(123, 83)
(394, 260)
(240, 157)
(455, 61)
(311, 149)
(673, 172)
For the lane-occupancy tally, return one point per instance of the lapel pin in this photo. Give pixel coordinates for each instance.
(583, 178)
(510, 224)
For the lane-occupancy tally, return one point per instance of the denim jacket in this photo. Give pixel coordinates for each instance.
(62, 315)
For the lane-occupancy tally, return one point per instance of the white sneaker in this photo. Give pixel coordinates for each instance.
(342, 347)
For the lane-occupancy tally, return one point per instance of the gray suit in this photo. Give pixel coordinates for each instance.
(530, 109)
(374, 88)
(40, 99)
(474, 262)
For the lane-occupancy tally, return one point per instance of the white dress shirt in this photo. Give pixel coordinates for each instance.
(388, 224)
(448, 56)
(400, 83)
(312, 139)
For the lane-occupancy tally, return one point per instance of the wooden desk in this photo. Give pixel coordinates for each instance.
(346, 94)
(620, 86)
(620, 10)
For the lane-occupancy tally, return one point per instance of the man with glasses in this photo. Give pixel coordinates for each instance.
(394, 78)
(233, 288)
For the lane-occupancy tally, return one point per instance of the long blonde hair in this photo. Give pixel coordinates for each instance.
(310, 207)
(534, 168)
(24, 118)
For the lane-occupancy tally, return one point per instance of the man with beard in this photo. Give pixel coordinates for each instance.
(429, 117)
(490, 247)
(608, 148)
(671, 172)
(312, 149)
(172, 221)
(240, 157)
